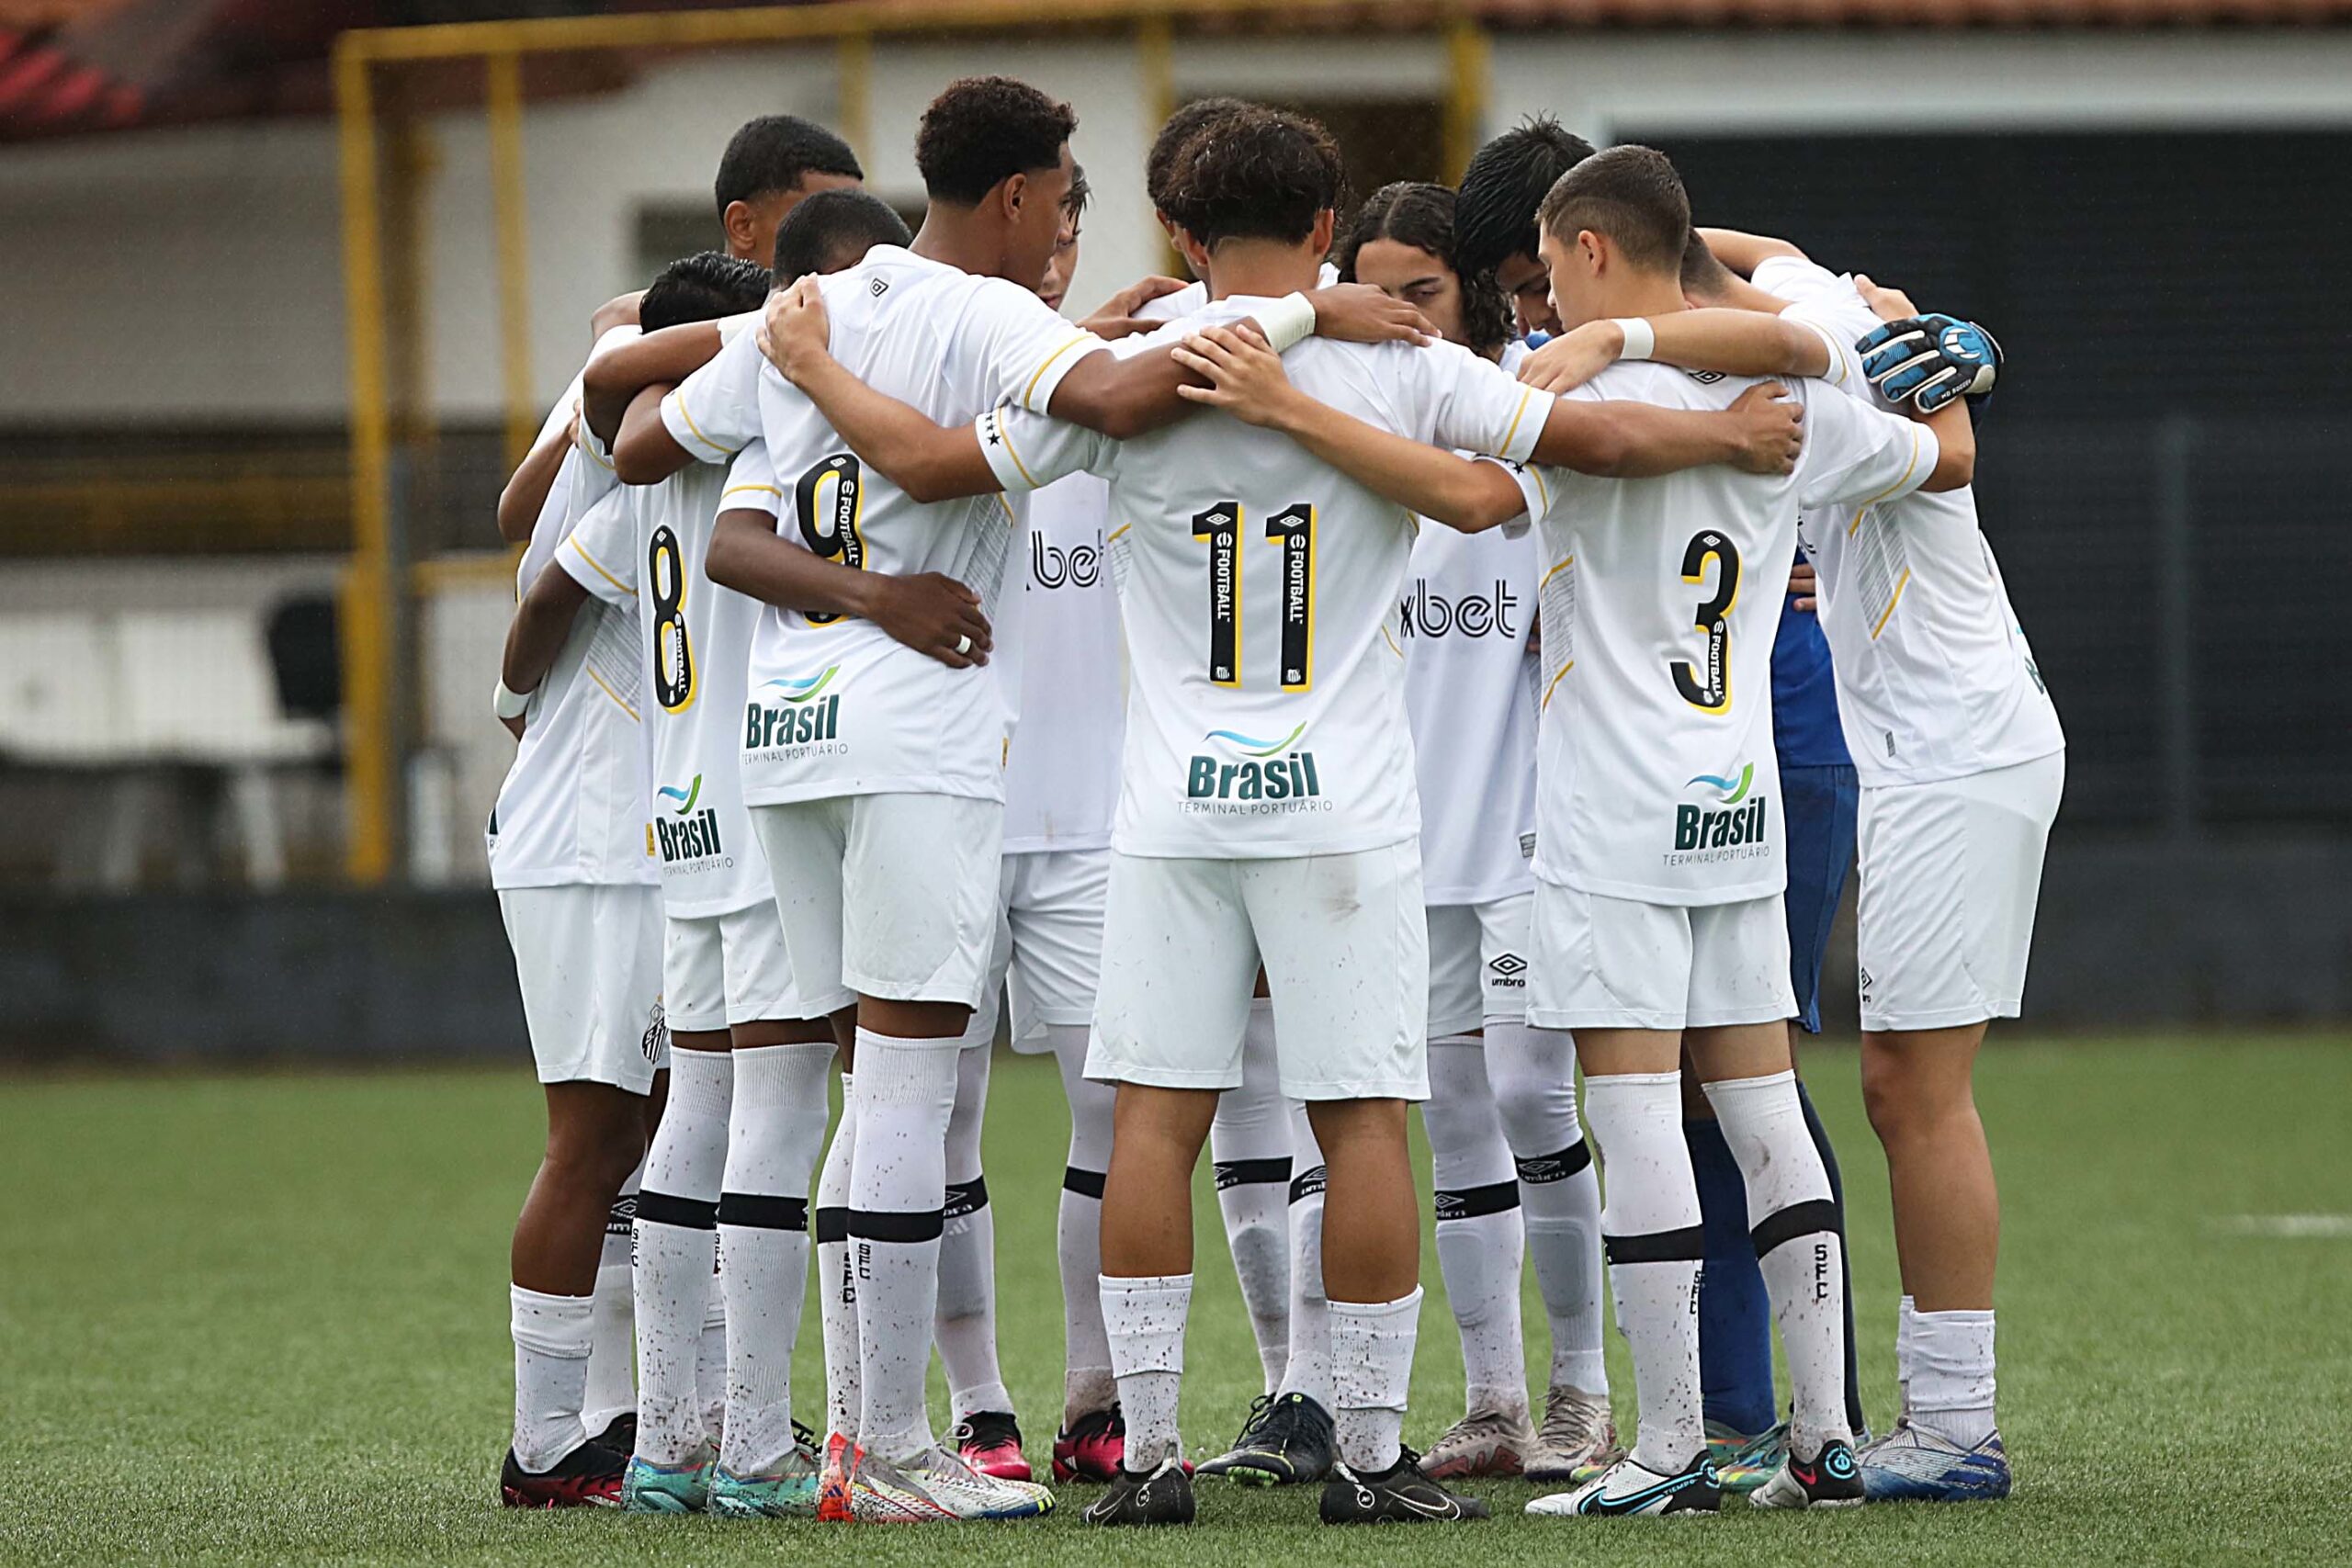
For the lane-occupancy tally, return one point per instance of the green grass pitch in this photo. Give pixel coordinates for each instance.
(261, 1319)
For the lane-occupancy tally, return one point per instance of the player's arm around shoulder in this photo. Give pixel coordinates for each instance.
(1761, 433)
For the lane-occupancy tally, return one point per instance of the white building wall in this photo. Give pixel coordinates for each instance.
(197, 274)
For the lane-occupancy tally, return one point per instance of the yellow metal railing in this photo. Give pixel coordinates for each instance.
(370, 607)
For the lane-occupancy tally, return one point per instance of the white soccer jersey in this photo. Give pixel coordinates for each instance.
(1260, 590)
(1935, 677)
(571, 809)
(1061, 780)
(1468, 608)
(645, 548)
(843, 709)
(1179, 303)
(1659, 600)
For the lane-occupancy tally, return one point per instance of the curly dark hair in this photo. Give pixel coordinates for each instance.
(702, 288)
(1506, 182)
(775, 152)
(1416, 213)
(1174, 132)
(1254, 173)
(1630, 193)
(983, 131)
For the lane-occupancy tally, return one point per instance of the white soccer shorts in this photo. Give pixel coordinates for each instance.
(889, 896)
(589, 962)
(1479, 964)
(1048, 955)
(1345, 945)
(1603, 963)
(1951, 875)
(718, 970)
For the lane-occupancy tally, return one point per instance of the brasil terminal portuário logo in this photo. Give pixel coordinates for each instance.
(685, 797)
(806, 688)
(1733, 791)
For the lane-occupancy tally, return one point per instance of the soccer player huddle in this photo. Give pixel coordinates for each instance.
(1369, 675)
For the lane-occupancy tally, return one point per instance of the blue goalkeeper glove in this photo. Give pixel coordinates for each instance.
(1929, 361)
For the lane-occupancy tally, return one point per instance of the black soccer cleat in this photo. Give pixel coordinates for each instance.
(587, 1477)
(1288, 1441)
(1162, 1497)
(619, 1434)
(1830, 1480)
(1400, 1495)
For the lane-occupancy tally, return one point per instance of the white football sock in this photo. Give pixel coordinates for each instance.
(1249, 1143)
(1800, 1246)
(1308, 1370)
(1951, 1376)
(1533, 1075)
(836, 1284)
(1481, 1244)
(1372, 1366)
(905, 1092)
(1907, 1340)
(1145, 1317)
(677, 1215)
(771, 1139)
(710, 1359)
(1087, 1382)
(612, 1354)
(551, 1335)
(1651, 1225)
(966, 1326)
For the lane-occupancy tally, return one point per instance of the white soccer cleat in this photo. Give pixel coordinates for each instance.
(1630, 1490)
(1578, 1440)
(1485, 1442)
(937, 1487)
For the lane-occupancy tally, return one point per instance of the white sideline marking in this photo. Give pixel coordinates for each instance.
(2291, 1227)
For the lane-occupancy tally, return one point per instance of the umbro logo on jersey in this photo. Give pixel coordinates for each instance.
(1704, 378)
(878, 287)
(1427, 614)
(1508, 968)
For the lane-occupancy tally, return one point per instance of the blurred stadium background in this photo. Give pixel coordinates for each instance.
(289, 283)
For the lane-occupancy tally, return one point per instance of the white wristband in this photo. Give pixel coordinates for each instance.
(509, 704)
(1288, 321)
(1640, 337)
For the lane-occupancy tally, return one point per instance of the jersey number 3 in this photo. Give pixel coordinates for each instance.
(673, 654)
(1292, 531)
(1707, 685)
(829, 498)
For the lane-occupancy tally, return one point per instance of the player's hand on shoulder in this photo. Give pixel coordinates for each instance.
(1245, 374)
(794, 329)
(1115, 317)
(1930, 361)
(1568, 362)
(1771, 428)
(935, 615)
(1357, 312)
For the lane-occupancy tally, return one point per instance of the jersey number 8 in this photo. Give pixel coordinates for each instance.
(829, 498)
(674, 655)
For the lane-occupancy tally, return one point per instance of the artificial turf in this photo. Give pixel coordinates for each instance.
(261, 1319)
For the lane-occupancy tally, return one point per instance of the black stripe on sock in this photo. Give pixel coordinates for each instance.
(1807, 1218)
(832, 1224)
(756, 1210)
(966, 1197)
(1546, 1168)
(686, 1214)
(906, 1226)
(1307, 1184)
(1249, 1172)
(1085, 1183)
(1688, 1245)
(1471, 1202)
